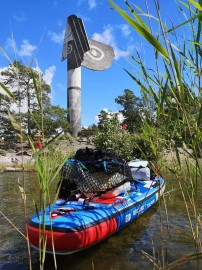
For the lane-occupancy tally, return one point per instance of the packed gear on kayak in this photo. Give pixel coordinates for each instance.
(93, 171)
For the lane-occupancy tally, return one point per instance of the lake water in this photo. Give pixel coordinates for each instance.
(122, 251)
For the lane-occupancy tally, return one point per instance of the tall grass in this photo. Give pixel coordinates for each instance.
(47, 163)
(174, 86)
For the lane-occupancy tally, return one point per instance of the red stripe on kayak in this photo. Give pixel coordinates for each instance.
(106, 200)
(72, 241)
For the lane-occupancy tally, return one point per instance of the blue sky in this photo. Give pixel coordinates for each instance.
(37, 29)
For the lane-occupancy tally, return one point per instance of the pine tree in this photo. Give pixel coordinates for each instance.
(24, 82)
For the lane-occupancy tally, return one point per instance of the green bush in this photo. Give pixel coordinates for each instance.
(111, 136)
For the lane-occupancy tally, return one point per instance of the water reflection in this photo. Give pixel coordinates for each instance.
(121, 251)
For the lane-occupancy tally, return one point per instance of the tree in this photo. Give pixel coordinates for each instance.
(7, 132)
(103, 116)
(111, 136)
(133, 110)
(26, 84)
(55, 117)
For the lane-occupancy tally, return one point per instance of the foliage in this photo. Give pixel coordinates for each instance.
(93, 128)
(139, 144)
(2, 153)
(174, 86)
(33, 103)
(7, 132)
(22, 80)
(54, 117)
(173, 82)
(149, 144)
(133, 110)
(40, 115)
(103, 116)
(111, 136)
(173, 120)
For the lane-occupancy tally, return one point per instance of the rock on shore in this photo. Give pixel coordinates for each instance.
(13, 159)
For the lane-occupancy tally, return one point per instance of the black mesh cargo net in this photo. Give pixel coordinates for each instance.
(92, 172)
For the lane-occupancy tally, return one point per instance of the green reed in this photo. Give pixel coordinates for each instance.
(173, 86)
(48, 164)
(47, 161)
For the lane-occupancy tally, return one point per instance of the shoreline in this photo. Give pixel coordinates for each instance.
(13, 160)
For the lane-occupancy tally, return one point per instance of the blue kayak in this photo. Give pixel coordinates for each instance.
(89, 210)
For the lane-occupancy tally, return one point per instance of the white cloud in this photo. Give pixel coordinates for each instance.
(120, 117)
(48, 77)
(108, 37)
(125, 29)
(26, 49)
(10, 44)
(57, 37)
(49, 74)
(110, 114)
(119, 53)
(92, 4)
(97, 118)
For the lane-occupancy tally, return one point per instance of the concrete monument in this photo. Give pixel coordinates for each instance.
(81, 51)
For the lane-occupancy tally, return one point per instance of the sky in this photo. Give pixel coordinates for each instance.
(37, 28)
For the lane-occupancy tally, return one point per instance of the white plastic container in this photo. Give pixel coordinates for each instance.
(140, 169)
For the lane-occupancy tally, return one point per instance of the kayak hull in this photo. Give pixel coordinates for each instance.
(72, 226)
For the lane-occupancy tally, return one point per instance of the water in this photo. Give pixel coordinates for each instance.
(121, 251)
